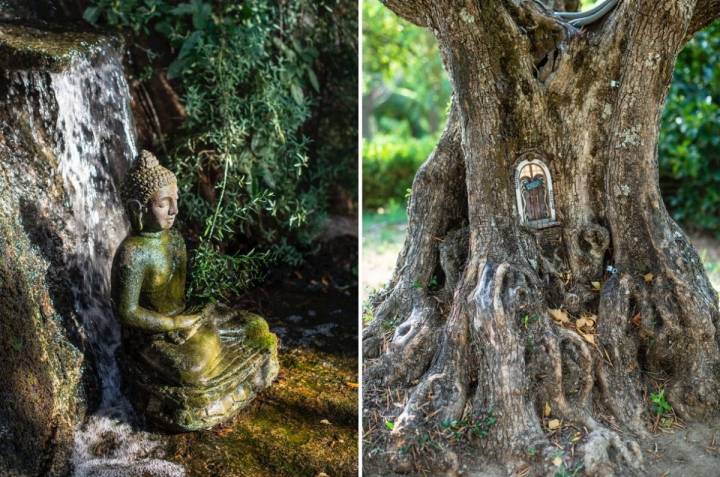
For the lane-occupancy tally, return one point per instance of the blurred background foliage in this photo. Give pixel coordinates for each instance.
(406, 95)
(690, 135)
(267, 144)
(405, 99)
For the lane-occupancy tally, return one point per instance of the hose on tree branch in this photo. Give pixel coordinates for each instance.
(579, 19)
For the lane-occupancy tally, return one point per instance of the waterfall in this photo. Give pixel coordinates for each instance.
(97, 224)
(94, 143)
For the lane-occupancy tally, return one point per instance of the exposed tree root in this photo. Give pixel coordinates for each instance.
(484, 359)
(605, 449)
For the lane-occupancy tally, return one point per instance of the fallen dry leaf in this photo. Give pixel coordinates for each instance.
(648, 277)
(223, 431)
(547, 410)
(554, 424)
(559, 315)
(585, 325)
(588, 337)
(590, 317)
(595, 285)
(522, 471)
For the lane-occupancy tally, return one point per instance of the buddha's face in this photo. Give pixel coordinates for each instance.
(161, 209)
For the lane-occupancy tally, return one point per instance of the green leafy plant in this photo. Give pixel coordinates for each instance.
(390, 323)
(660, 405)
(564, 471)
(689, 139)
(389, 165)
(528, 320)
(421, 443)
(254, 189)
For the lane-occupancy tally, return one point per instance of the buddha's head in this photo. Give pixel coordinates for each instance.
(150, 194)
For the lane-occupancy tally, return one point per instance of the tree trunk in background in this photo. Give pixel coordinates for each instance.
(463, 334)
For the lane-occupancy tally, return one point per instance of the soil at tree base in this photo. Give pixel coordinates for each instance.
(690, 452)
(306, 422)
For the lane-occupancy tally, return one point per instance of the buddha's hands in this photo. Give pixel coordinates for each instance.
(217, 313)
(185, 327)
(222, 314)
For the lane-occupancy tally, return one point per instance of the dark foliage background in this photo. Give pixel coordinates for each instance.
(690, 136)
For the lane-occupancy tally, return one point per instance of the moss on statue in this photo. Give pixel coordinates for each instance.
(258, 332)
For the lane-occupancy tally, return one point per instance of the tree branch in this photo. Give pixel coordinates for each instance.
(411, 10)
(543, 30)
(706, 11)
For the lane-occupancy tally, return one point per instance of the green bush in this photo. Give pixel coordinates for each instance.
(690, 134)
(389, 166)
(250, 192)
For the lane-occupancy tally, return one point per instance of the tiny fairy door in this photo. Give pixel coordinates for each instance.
(533, 188)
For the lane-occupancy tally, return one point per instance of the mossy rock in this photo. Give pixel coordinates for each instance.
(42, 392)
(25, 47)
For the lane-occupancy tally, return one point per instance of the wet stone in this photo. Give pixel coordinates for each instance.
(29, 47)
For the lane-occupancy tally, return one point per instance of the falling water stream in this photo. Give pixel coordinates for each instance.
(94, 143)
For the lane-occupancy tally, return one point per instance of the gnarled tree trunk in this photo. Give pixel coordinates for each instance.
(462, 339)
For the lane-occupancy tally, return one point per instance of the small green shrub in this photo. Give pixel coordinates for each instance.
(477, 427)
(389, 166)
(660, 404)
(254, 190)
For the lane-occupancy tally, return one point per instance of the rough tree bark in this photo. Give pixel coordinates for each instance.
(462, 332)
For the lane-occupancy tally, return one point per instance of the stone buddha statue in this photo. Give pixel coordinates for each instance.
(184, 369)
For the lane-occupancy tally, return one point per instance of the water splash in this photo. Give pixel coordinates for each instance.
(107, 447)
(95, 143)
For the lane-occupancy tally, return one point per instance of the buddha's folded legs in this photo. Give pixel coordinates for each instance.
(227, 366)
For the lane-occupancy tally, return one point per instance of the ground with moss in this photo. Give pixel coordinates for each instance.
(306, 423)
